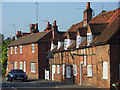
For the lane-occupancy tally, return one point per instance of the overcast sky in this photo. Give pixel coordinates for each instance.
(21, 14)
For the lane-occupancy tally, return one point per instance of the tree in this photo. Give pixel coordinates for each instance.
(4, 55)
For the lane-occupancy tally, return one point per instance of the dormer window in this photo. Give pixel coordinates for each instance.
(15, 49)
(53, 46)
(78, 41)
(67, 43)
(60, 44)
(89, 38)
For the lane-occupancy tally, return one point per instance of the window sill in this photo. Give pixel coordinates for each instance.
(105, 78)
(32, 72)
(33, 51)
(89, 76)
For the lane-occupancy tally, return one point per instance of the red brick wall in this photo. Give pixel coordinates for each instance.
(27, 56)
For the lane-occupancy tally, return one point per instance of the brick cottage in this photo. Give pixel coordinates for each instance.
(29, 50)
(89, 52)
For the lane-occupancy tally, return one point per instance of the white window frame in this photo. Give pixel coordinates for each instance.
(21, 65)
(89, 70)
(21, 49)
(53, 46)
(33, 48)
(58, 69)
(33, 67)
(24, 66)
(15, 67)
(15, 49)
(105, 70)
(11, 50)
(63, 69)
(78, 41)
(60, 44)
(67, 43)
(84, 63)
(68, 71)
(75, 70)
(89, 38)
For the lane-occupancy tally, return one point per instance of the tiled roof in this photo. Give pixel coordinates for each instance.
(32, 38)
(83, 31)
(97, 28)
(112, 28)
(103, 17)
(74, 27)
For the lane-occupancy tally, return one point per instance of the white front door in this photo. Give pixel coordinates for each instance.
(53, 72)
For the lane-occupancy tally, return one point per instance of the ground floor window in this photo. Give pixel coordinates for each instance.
(24, 66)
(75, 70)
(33, 67)
(89, 70)
(57, 69)
(63, 68)
(20, 65)
(105, 70)
(68, 71)
(15, 65)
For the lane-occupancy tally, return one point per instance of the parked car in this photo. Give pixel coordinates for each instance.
(16, 74)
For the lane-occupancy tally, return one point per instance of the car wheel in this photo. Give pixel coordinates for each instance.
(7, 78)
(10, 79)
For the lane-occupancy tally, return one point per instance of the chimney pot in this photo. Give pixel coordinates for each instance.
(20, 32)
(36, 26)
(17, 32)
(88, 5)
(54, 23)
(47, 24)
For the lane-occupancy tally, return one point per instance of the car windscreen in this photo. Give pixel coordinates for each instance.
(17, 71)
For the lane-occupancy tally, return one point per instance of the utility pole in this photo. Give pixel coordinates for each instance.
(36, 11)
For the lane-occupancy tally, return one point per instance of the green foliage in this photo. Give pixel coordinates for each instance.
(4, 55)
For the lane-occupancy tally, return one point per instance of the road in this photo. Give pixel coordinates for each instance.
(37, 84)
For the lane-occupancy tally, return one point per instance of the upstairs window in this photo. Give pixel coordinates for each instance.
(11, 50)
(89, 70)
(60, 44)
(89, 38)
(53, 46)
(105, 70)
(78, 41)
(15, 49)
(33, 48)
(20, 49)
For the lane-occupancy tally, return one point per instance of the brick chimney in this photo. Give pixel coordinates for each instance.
(18, 34)
(54, 30)
(87, 14)
(49, 26)
(34, 28)
(13, 38)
